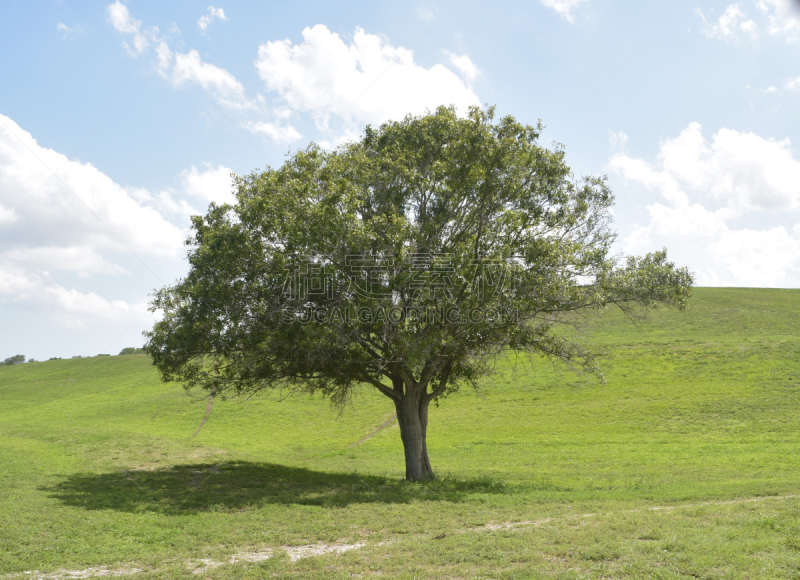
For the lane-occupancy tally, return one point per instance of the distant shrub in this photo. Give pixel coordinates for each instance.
(30, 360)
(103, 354)
(14, 360)
(54, 358)
(132, 350)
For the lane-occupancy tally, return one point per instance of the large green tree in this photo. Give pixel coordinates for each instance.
(403, 262)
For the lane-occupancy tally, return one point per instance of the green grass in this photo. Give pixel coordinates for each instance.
(699, 412)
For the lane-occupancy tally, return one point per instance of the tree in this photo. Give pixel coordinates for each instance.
(132, 350)
(404, 262)
(14, 360)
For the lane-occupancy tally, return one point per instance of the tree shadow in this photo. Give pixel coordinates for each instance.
(187, 489)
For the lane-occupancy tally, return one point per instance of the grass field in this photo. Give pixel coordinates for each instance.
(685, 463)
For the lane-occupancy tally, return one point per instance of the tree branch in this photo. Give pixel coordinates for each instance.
(442, 383)
(382, 388)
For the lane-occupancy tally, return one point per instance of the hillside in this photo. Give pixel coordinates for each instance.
(699, 412)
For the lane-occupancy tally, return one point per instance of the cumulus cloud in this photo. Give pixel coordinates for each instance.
(777, 17)
(710, 188)
(213, 14)
(222, 85)
(323, 78)
(735, 168)
(77, 309)
(181, 68)
(78, 221)
(214, 184)
(80, 203)
(464, 64)
(564, 7)
(7, 214)
(730, 26)
(68, 307)
(68, 31)
(783, 17)
(122, 21)
(275, 131)
(81, 259)
(365, 81)
(718, 253)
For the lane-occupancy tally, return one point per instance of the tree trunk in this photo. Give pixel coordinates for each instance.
(412, 416)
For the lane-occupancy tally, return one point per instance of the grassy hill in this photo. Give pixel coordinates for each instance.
(684, 463)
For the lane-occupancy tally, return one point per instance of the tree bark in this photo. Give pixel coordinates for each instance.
(412, 416)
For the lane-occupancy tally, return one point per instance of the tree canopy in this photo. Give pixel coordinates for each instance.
(132, 350)
(13, 360)
(405, 261)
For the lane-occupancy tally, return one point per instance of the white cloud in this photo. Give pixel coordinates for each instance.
(427, 13)
(120, 18)
(82, 259)
(464, 64)
(617, 141)
(79, 204)
(67, 31)
(213, 184)
(77, 309)
(366, 81)
(68, 252)
(740, 173)
(778, 17)
(783, 17)
(223, 86)
(6, 215)
(719, 254)
(744, 170)
(206, 19)
(275, 131)
(165, 203)
(182, 68)
(730, 26)
(78, 221)
(17, 283)
(564, 7)
(68, 307)
(792, 84)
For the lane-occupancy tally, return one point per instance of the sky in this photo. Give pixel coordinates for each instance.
(120, 120)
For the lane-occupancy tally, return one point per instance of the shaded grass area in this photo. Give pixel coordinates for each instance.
(186, 489)
(98, 465)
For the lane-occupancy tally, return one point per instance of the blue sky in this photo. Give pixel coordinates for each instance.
(118, 120)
